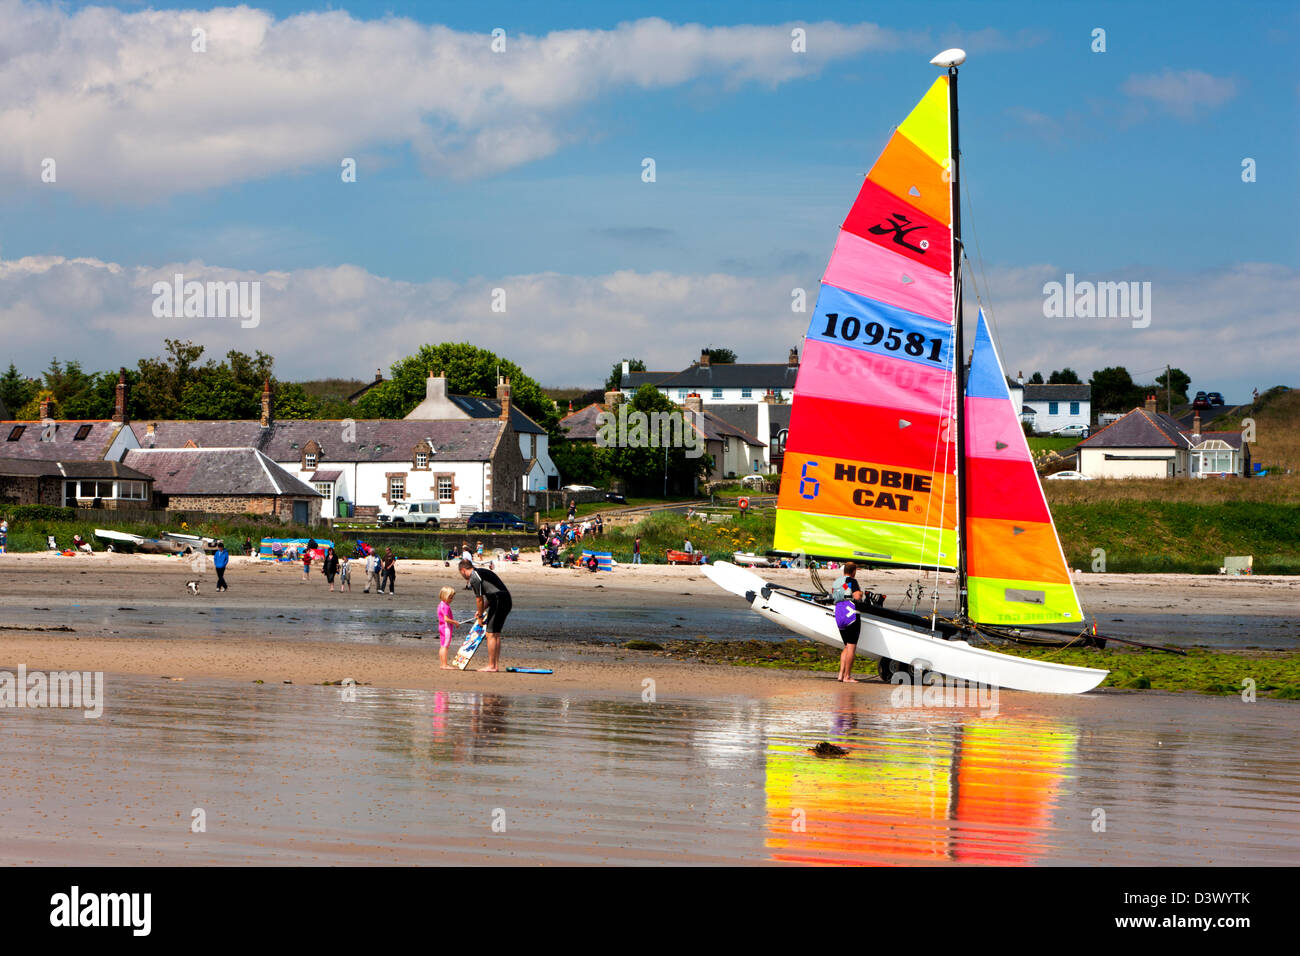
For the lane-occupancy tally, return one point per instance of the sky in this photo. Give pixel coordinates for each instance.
(500, 195)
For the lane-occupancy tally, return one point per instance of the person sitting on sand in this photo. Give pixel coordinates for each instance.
(81, 544)
(847, 594)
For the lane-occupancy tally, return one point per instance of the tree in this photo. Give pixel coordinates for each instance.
(1113, 390)
(722, 357)
(469, 370)
(32, 410)
(292, 401)
(15, 390)
(615, 379)
(1066, 376)
(1035, 379)
(1180, 381)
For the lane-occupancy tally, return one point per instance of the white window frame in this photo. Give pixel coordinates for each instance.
(396, 483)
(717, 394)
(746, 393)
(421, 459)
(450, 489)
(309, 462)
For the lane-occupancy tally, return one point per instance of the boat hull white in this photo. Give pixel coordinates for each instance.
(881, 638)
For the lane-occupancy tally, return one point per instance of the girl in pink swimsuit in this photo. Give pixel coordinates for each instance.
(446, 624)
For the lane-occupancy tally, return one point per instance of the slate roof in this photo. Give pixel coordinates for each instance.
(1139, 429)
(63, 444)
(582, 426)
(236, 472)
(1058, 393)
(70, 469)
(326, 476)
(491, 408)
(730, 375)
(375, 439)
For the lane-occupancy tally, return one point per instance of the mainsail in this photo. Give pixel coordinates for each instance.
(869, 467)
(1016, 571)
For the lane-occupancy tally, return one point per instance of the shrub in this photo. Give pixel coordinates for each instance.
(40, 513)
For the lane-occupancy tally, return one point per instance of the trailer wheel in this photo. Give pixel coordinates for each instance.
(887, 667)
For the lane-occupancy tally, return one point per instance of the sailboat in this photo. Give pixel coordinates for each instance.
(898, 456)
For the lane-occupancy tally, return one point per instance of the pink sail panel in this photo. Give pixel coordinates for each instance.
(878, 273)
(991, 433)
(837, 372)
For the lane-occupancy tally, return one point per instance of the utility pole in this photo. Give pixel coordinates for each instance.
(1169, 393)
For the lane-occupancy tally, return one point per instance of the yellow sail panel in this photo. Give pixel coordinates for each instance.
(1007, 601)
(927, 124)
(877, 541)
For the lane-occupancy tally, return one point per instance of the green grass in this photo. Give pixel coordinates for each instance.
(602, 507)
(665, 530)
(1173, 536)
(1051, 443)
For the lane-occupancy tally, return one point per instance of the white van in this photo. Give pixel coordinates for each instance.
(410, 512)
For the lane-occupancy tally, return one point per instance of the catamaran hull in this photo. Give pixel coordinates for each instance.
(885, 639)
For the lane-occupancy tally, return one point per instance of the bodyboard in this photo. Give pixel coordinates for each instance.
(471, 644)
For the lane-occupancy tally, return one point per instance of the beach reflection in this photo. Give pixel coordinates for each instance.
(917, 786)
(293, 774)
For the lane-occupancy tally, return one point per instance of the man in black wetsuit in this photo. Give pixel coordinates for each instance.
(494, 606)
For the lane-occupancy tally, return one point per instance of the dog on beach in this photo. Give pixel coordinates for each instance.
(193, 586)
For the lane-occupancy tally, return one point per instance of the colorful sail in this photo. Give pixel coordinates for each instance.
(1016, 570)
(870, 463)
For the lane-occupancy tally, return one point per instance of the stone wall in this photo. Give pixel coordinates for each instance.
(506, 493)
(30, 490)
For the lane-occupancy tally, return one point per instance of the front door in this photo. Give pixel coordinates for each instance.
(300, 512)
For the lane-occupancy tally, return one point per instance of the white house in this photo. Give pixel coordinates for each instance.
(1049, 407)
(534, 443)
(1146, 443)
(729, 383)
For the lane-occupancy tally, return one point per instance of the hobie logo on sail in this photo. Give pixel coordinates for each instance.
(900, 226)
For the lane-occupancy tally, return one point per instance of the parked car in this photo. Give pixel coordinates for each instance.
(1201, 400)
(1070, 430)
(1069, 476)
(498, 520)
(615, 499)
(753, 481)
(579, 487)
(1215, 398)
(411, 512)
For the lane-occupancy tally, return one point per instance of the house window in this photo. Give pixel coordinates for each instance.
(681, 393)
(1052, 407)
(1074, 408)
(16, 432)
(132, 490)
(82, 432)
(746, 393)
(717, 394)
(396, 489)
(326, 488)
(421, 459)
(444, 489)
(309, 461)
(96, 489)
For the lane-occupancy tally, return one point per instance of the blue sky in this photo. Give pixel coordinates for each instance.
(1122, 165)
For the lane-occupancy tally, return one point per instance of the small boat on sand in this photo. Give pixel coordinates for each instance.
(130, 543)
(681, 557)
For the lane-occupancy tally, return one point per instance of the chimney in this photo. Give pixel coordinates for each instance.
(1196, 425)
(627, 368)
(1020, 378)
(379, 375)
(693, 402)
(1151, 404)
(435, 387)
(503, 396)
(149, 436)
(613, 397)
(46, 406)
(793, 360)
(119, 405)
(266, 403)
(570, 406)
(769, 397)
(704, 358)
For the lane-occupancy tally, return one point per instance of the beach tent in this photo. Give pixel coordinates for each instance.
(291, 549)
(604, 559)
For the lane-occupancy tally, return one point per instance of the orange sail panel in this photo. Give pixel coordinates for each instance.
(1016, 570)
(870, 465)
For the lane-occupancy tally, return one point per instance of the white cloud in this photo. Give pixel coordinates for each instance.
(1185, 93)
(1230, 329)
(127, 109)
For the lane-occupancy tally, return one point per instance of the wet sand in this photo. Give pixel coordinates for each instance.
(305, 775)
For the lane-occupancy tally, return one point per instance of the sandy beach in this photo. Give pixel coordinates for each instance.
(132, 614)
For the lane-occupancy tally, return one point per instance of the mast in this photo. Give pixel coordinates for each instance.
(952, 59)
